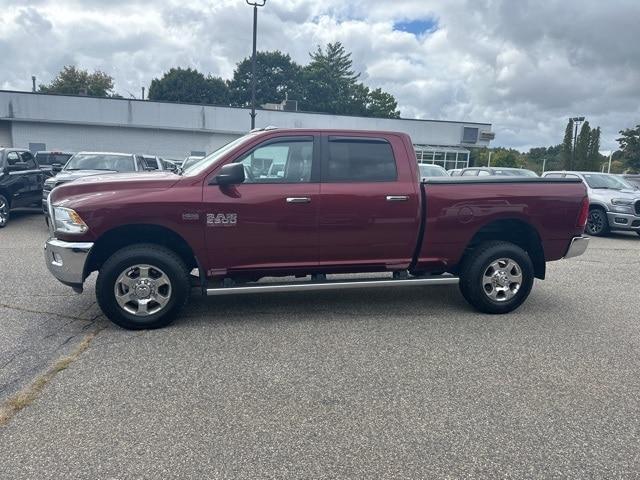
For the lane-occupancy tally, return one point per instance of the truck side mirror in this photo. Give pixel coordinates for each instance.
(231, 174)
(56, 167)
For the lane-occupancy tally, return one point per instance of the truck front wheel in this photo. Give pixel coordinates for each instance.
(142, 286)
(497, 277)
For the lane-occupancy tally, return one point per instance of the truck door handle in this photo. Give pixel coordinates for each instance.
(298, 200)
(397, 198)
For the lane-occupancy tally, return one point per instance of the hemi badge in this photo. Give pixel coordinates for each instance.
(190, 216)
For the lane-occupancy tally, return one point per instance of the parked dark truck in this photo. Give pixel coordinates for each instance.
(305, 204)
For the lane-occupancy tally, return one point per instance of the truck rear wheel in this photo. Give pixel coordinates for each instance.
(142, 287)
(497, 277)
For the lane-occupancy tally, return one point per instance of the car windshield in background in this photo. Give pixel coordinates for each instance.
(191, 161)
(432, 171)
(52, 158)
(516, 172)
(603, 180)
(214, 157)
(98, 161)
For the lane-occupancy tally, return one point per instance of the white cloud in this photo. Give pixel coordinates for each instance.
(524, 66)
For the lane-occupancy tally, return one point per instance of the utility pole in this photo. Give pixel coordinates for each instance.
(33, 81)
(489, 162)
(576, 121)
(610, 155)
(142, 93)
(255, 4)
(544, 165)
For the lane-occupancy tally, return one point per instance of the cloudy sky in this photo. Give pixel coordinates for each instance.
(524, 65)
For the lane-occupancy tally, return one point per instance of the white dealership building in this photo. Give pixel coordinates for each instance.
(174, 130)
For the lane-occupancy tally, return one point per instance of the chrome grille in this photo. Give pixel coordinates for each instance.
(638, 207)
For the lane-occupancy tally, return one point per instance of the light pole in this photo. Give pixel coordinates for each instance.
(576, 121)
(544, 165)
(255, 4)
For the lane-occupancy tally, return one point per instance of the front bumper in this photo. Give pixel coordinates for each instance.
(66, 260)
(577, 247)
(623, 221)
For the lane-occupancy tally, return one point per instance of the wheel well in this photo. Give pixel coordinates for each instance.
(120, 237)
(7, 196)
(598, 207)
(517, 232)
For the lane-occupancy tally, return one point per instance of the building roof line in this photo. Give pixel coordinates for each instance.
(239, 108)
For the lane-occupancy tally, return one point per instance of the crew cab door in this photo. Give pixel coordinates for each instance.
(369, 212)
(24, 179)
(269, 222)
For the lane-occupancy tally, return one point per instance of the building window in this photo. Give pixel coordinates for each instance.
(470, 135)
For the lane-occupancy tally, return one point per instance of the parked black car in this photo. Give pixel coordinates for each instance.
(86, 164)
(21, 181)
(51, 161)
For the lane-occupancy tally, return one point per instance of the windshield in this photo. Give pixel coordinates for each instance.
(51, 158)
(100, 161)
(211, 159)
(606, 181)
(190, 162)
(516, 172)
(432, 171)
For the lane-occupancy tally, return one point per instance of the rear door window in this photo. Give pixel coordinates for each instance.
(359, 160)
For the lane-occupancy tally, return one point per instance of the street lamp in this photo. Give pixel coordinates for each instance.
(255, 4)
(576, 121)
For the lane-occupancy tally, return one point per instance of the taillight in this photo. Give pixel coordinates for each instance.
(584, 213)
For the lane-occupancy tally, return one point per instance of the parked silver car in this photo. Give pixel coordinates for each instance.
(614, 203)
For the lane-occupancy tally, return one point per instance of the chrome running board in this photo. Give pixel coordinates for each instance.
(331, 285)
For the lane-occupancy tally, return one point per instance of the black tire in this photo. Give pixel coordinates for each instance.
(159, 259)
(597, 222)
(638, 232)
(4, 211)
(472, 275)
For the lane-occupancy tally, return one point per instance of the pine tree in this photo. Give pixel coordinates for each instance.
(593, 156)
(331, 83)
(582, 148)
(567, 147)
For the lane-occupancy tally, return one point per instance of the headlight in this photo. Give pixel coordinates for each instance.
(66, 220)
(621, 201)
(622, 205)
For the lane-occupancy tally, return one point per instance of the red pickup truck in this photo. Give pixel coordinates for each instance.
(305, 204)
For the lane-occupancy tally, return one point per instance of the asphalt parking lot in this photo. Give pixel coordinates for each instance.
(372, 384)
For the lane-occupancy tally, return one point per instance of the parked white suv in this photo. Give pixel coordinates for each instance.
(614, 204)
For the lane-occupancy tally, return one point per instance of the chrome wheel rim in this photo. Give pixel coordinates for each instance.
(502, 280)
(143, 290)
(4, 213)
(595, 223)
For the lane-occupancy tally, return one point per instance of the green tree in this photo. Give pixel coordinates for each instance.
(550, 157)
(582, 147)
(277, 77)
(330, 83)
(189, 86)
(76, 81)
(382, 104)
(567, 147)
(630, 147)
(594, 159)
(502, 157)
